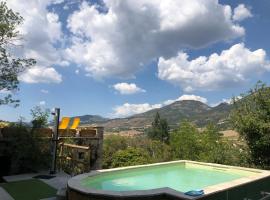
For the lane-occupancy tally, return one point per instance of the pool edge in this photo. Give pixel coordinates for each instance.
(75, 184)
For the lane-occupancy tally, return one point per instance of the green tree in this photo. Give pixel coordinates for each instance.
(27, 153)
(10, 66)
(185, 142)
(157, 150)
(112, 144)
(40, 117)
(159, 130)
(251, 118)
(188, 143)
(130, 156)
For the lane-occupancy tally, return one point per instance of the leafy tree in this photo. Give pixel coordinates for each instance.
(130, 156)
(251, 118)
(158, 151)
(189, 143)
(40, 117)
(159, 130)
(10, 66)
(27, 153)
(185, 142)
(111, 145)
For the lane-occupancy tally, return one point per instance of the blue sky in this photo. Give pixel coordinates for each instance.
(117, 58)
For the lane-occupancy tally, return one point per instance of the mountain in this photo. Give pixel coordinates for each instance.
(91, 119)
(194, 111)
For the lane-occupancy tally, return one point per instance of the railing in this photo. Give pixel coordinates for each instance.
(73, 158)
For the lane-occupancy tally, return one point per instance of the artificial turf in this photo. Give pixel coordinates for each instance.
(32, 189)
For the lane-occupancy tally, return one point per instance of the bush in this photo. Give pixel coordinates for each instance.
(130, 156)
(157, 150)
(188, 143)
(27, 153)
(251, 118)
(111, 145)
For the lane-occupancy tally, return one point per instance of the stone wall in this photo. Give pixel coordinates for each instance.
(90, 136)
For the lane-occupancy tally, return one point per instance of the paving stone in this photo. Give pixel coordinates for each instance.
(4, 195)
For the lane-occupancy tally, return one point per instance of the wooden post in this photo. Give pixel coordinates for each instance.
(55, 139)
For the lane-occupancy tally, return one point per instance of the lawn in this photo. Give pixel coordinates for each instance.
(32, 189)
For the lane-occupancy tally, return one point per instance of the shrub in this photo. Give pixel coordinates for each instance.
(130, 156)
(251, 118)
(27, 153)
(188, 143)
(111, 145)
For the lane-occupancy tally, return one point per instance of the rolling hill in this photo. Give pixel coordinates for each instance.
(194, 111)
(91, 119)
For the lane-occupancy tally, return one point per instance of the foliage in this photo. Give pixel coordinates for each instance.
(188, 143)
(159, 130)
(111, 145)
(154, 150)
(157, 150)
(185, 142)
(40, 117)
(10, 67)
(130, 156)
(27, 153)
(251, 117)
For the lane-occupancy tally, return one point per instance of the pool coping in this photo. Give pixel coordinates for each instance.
(75, 182)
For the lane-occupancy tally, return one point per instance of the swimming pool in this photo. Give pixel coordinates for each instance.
(161, 179)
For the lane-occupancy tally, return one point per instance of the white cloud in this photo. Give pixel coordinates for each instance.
(232, 67)
(42, 103)
(77, 71)
(192, 97)
(131, 34)
(64, 63)
(241, 12)
(127, 88)
(228, 101)
(39, 74)
(187, 97)
(41, 31)
(130, 109)
(44, 91)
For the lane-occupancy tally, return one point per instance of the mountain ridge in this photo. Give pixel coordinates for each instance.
(195, 111)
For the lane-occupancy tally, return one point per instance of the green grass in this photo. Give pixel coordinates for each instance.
(32, 189)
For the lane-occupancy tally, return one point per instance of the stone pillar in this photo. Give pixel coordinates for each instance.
(99, 150)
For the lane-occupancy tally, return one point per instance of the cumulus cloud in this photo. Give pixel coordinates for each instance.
(187, 97)
(228, 101)
(127, 88)
(41, 31)
(241, 12)
(231, 67)
(130, 109)
(39, 74)
(131, 34)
